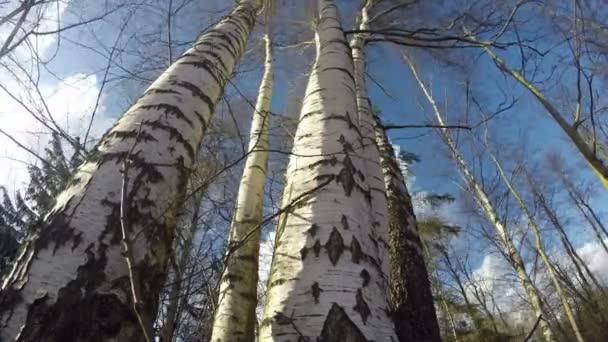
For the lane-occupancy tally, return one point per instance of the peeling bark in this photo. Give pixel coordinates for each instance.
(328, 295)
(235, 313)
(72, 283)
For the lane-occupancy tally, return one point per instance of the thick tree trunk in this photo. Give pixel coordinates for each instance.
(237, 299)
(486, 206)
(411, 297)
(72, 282)
(327, 281)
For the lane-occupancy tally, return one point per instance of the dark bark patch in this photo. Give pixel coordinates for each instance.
(317, 248)
(338, 327)
(344, 221)
(334, 246)
(313, 230)
(304, 252)
(346, 176)
(365, 276)
(361, 307)
(316, 291)
(168, 110)
(355, 251)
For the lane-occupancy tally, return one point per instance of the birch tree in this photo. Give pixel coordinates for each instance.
(235, 313)
(487, 207)
(411, 299)
(95, 270)
(327, 278)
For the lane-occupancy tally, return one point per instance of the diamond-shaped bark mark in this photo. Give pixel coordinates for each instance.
(361, 307)
(365, 276)
(317, 248)
(316, 291)
(334, 246)
(313, 229)
(339, 327)
(355, 250)
(346, 175)
(345, 222)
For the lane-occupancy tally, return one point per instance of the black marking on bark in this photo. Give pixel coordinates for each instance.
(205, 64)
(174, 134)
(361, 306)
(344, 221)
(365, 276)
(140, 135)
(345, 177)
(303, 252)
(327, 161)
(349, 121)
(334, 246)
(317, 248)
(355, 250)
(169, 110)
(198, 93)
(162, 91)
(316, 291)
(313, 230)
(315, 112)
(338, 327)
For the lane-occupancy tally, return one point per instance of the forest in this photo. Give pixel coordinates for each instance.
(304, 171)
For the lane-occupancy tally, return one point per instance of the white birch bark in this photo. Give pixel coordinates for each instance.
(326, 280)
(72, 282)
(412, 304)
(235, 312)
(487, 207)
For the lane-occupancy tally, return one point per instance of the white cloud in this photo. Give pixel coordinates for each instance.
(70, 102)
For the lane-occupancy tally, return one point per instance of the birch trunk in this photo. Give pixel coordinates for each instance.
(411, 298)
(235, 313)
(598, 165)
(171, 321)
(541, 250)
(72, 282)
(327, 279)
(487, 207)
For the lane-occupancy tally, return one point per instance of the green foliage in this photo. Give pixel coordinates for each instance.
(18, 217)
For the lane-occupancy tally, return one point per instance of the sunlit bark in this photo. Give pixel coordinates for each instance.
(72, 282)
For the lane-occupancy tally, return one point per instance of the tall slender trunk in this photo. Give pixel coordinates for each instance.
(235, 313)
(598, 165)
(588, 213)
(327, 281)
(72, 282)
(171, 321)
(540, 249)
(577, 260)
(411, 298)
(487, 207)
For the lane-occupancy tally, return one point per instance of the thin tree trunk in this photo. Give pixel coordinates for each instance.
(598, 165)
(570, 250)
(593, 220)
(170, 323)
(235, 313)
(541, 249)
(487, 207)
(327, 281)
(72, 282)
